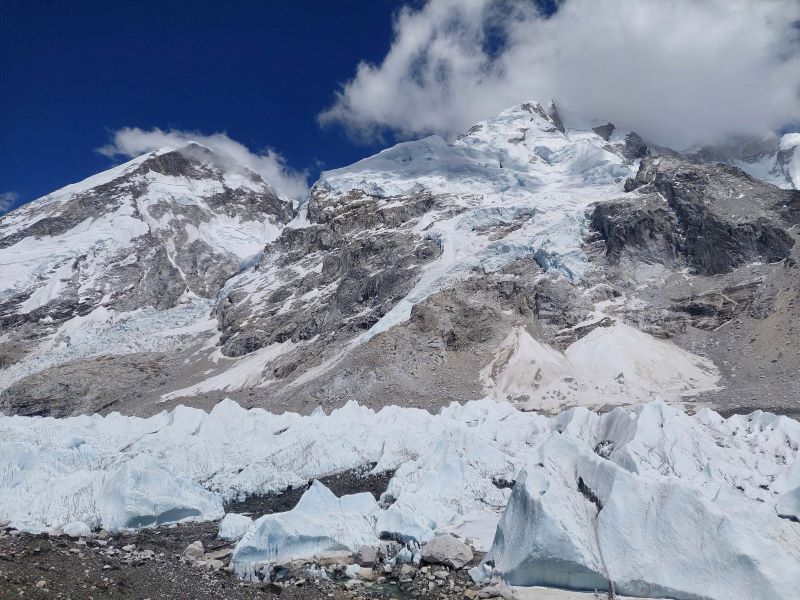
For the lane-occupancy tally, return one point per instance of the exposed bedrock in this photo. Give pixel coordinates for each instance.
(333, 278)
(715, 217)
(436, 356)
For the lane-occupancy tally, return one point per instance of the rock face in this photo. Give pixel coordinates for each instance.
(722, 216)
(328, 278)
(644, 226)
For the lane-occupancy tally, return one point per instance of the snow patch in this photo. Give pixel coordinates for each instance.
(611, 365)
(791, 142)
(243, 373)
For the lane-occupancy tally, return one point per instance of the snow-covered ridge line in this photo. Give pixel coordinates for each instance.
(523, 159)
(115, 471)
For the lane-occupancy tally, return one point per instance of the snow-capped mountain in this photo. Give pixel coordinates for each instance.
(524, 268)
(120, 262)
(430, 272)
(146, 233)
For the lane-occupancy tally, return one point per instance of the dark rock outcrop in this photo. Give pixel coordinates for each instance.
(715, 217)
(635, 147)
(604, 131)
(643, 225)
(358, 257)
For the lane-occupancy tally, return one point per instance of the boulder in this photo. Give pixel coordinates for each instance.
(367, 574)
(336, 558)
(194, 550)
(366, 556)
(447, 550)
(218, 554)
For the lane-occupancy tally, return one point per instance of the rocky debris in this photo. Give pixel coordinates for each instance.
(436, 356)
(446, 550)
(393, 573)
(709, 310)
(42, 566)
(84, 385)
(498, 589)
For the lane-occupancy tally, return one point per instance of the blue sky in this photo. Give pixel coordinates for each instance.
(73, 74)
(261, 71)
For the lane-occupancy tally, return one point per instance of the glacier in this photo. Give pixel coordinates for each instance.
(521, 162)
(633, 497)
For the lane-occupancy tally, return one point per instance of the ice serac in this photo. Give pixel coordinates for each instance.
(651, 500)
(320, 523)
(142, 493)
(233, 526)
(625, 502)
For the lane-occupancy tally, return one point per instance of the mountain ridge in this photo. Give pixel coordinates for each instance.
(437, 250)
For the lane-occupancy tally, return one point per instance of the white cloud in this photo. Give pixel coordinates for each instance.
(7, 200)
(676, 71)
(132, 141)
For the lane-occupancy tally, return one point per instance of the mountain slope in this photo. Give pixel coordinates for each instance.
(427, 273)
(143, 248)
